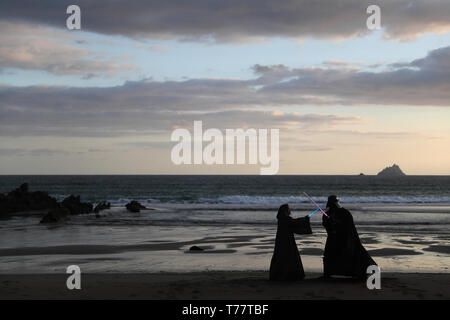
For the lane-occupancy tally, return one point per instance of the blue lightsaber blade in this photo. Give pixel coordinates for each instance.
(309, 215)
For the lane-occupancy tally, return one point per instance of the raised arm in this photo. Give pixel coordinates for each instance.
(300, 225)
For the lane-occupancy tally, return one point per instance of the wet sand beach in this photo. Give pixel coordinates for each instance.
(152, 249)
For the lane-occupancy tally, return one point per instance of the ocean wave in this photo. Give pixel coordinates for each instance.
(271, 201)
(239, 199)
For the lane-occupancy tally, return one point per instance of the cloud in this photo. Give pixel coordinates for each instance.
(149, 106)
(49, 152)
(422, 82)
(343, 64)
(395, 135)
(32, 152)
(238, 20)
(303, 148)
(148, 144)
(312, 149)
(31, 47)
(437, 61)
(151, 122)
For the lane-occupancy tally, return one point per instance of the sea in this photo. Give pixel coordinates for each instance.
(404, 222)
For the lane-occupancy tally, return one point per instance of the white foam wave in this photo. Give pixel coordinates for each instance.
(239, 199)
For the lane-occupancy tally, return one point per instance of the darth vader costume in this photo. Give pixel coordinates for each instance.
(344, 254)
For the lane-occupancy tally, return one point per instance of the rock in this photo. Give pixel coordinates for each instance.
(102, 206)
(56, 215)
(135, 206)
(75, 206)
(195, 248)
(21, 199)
(393, 171)
(23, 188)
(361, 174)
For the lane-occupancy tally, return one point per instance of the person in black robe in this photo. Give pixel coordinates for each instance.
(344, 253)
(286, 264)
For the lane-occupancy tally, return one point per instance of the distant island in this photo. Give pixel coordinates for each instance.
(393, 171)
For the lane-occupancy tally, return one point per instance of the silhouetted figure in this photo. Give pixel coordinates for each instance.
(286, 264)
(344, 254)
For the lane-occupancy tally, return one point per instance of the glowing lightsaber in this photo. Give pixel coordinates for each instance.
(309, 215)
(314, 203)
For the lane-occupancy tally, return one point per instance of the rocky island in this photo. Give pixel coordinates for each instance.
(393, 171)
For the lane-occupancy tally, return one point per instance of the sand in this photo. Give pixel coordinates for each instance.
(221, 285)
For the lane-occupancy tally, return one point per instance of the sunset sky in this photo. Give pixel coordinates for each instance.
(105, 99)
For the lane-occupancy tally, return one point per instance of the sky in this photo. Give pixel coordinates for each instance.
(105, 99)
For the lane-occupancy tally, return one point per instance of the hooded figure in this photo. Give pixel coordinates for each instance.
(286, 264)
(344, 254)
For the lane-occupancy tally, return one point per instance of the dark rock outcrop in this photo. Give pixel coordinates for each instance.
(135, 206)
(75, 206)
(102, 206)
(57, 214)
(393, 171)
(21, 199)
(195, 248)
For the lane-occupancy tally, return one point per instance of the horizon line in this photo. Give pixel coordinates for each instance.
(216, 174)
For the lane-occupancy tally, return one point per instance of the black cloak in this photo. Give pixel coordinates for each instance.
(286, 264)
(344, 254)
